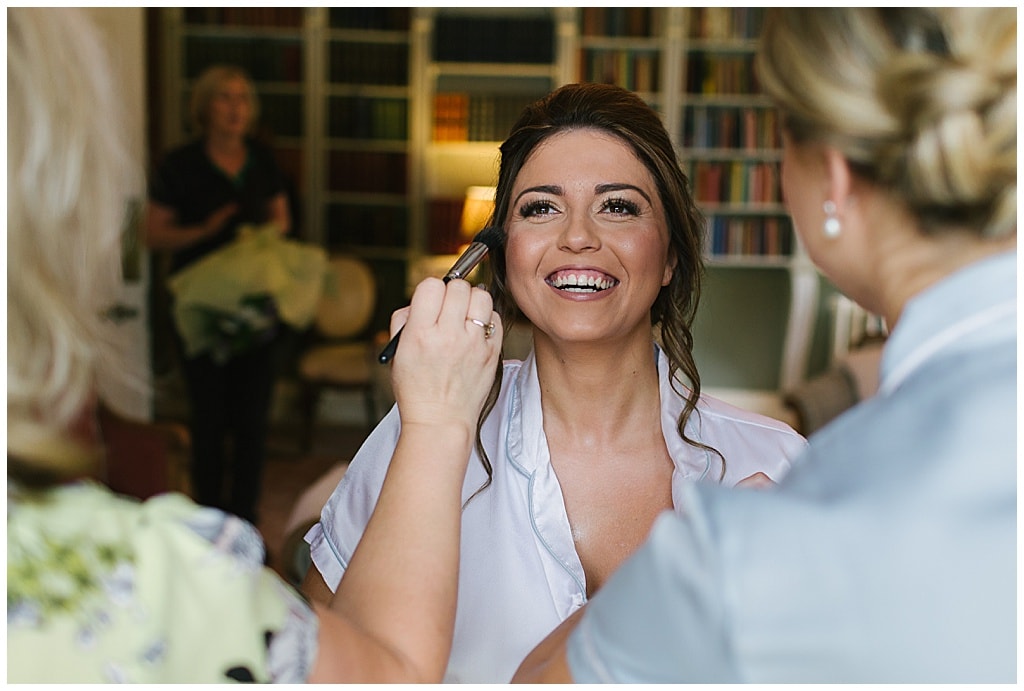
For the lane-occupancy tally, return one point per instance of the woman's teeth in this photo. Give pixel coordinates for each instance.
(574, 283)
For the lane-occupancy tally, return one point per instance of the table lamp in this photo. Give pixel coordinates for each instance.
(476, 210)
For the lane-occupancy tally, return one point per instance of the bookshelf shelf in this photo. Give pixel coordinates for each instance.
(722, 45)
(747, 261)
(719, 154)
(367, 90)
(243, 32)
(513, 72)
(394, 37)
(744, 208)
(728, 100)
(634, 44)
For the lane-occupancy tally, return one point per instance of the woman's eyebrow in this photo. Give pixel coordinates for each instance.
(616, 186)
(554, 190)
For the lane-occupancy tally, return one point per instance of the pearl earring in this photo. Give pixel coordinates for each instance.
(831, 227)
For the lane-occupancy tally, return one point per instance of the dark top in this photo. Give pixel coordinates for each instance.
(189, 182)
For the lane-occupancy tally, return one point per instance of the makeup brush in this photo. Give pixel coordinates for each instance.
(484, 241)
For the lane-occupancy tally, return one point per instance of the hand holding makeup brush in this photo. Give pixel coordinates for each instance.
(448, 359)
(484, 241)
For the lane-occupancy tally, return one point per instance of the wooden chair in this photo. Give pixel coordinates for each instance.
(341, 353)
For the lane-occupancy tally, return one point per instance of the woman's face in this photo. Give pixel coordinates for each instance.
(231, 108)
(587, 246)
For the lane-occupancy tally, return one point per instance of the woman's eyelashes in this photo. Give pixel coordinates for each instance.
(537, 207)
(615, 206)
(620, 207)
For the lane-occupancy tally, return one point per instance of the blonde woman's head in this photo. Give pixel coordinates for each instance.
(69, 178)
(921, 102)
(210, 85)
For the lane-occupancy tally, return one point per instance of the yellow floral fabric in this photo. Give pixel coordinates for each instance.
(102, 588)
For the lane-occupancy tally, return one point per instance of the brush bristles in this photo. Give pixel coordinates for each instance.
(491, 236)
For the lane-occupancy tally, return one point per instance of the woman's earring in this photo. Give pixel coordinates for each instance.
(832, 227)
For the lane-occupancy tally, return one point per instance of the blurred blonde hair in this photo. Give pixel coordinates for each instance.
(921, 101)
(68, 180)
(206, 87)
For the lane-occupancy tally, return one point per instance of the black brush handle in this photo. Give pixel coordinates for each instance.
(389, 350)
(473, 255)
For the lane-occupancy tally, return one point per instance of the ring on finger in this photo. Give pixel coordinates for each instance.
(488, 327)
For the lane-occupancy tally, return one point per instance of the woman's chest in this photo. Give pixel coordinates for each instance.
(611, 500)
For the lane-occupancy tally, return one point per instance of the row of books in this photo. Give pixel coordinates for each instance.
(444, 220)
(265, 59)
(617, 21)
(245, 16)
(368, 63)
(360, 117)
(636, 71)
(282, 114)
(292, 161)
(721, 23)
(735, 182)
(373, 18)
(749, 237)
(462, 117)
(711, 127)
(464, 38)
(384, 172)
(708, 73)
(365, 225)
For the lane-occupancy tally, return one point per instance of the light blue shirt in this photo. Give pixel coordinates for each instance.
(520, 574)
(888, 554)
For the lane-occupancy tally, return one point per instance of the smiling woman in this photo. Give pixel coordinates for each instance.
(595, 239)
(586, 440)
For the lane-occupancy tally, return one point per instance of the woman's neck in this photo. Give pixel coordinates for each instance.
(597, 390)
(228, 153)
(907, 270)
(224, 143)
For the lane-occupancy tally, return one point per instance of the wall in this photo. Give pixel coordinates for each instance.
(124, 33)
(740, 328)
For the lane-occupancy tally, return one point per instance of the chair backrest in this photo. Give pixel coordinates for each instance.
(349, 297)
(143, 458)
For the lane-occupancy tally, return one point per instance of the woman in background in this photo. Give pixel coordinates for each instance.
(890, 549)
(102, 588)
(601, 426)
(200, 195)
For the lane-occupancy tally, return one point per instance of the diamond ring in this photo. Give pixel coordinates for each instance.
(488, 327)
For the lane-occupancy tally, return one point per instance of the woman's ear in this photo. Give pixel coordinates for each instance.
(839, 179)
(670, 267)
